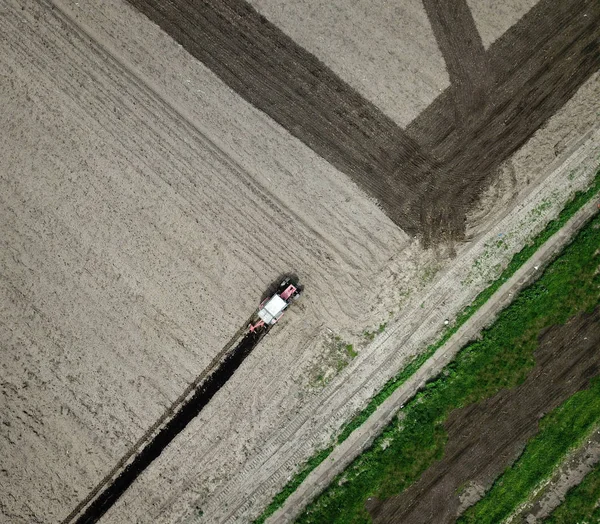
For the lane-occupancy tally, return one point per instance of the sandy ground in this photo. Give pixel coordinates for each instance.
(568, 475)
(145, 207)
(494, 18)
(134, 247)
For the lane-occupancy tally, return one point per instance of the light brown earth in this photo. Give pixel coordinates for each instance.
(144, 208)
(374, 45)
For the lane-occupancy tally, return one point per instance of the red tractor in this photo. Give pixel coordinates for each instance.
(272, 308)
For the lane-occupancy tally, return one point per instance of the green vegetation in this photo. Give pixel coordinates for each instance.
(517, 261)
(350, 351)
(293, 484)
(501, 359)
(336, 355)
(370, 335)
(582, 503)
(560, 431)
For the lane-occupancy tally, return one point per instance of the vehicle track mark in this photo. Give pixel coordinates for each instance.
(428, 176)
(466, 59)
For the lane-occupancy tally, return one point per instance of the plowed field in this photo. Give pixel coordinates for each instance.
(154, 181)
(428, 176)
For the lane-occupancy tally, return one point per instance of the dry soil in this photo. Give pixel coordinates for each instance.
(146, 206)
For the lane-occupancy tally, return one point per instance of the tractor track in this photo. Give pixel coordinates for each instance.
(427, 176)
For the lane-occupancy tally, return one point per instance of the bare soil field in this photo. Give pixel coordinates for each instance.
(145, 207)
(427, 177)
(485, 438)
(373, 45)
(119, 220)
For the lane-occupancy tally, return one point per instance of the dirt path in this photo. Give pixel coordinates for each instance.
(427, 177)
(569, 474)
(145, 206)
(361, 438)
(485, 438)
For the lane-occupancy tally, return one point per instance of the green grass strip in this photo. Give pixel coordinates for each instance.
(293, 484)
(574, 205)
(578, 201)
(582, 502)
(502, 358)
(560, 431)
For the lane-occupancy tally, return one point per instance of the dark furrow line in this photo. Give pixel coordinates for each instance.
(106, 494)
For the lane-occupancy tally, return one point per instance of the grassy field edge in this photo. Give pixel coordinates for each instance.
(569, 210)
(581, 503)
(560, 432)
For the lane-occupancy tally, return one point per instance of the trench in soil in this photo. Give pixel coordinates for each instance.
(190, 409)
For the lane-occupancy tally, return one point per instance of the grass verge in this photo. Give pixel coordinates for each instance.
(580, 199)
(560, 431)
(582, 502)
(501, 359)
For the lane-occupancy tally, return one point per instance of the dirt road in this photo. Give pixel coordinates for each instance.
(362, 437)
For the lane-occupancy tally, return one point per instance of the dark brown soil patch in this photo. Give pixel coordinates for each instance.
(485, 438)
(427, 177)
(533, 70)
(466, 59)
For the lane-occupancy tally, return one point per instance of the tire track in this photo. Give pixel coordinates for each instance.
(267, 68)
(428, 177)
(466, 59)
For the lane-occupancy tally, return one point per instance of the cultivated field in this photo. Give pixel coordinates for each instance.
(149, 195)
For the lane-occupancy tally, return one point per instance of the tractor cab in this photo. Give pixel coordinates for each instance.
(273, 307)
